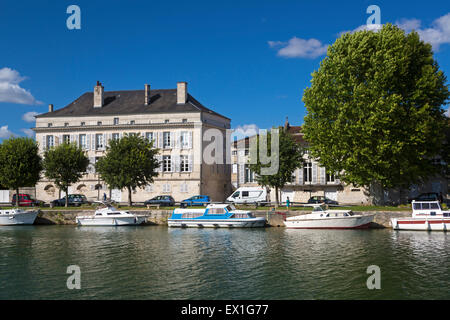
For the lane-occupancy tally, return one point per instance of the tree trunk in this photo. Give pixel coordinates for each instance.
(66, 190)
(129, 197)
(276, 197)
(17, 198)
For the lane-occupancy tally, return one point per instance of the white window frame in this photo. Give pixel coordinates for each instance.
(166, 140)
(99, 141)
(184, 163)
(167, 163)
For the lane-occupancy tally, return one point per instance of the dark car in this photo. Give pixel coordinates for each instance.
(25, 200)
(161, 200)
(429, 196)
(321, 199)
(73, 200)
(196, 201)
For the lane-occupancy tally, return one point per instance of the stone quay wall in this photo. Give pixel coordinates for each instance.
(159, 217)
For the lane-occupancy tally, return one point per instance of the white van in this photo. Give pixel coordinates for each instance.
(255, 195)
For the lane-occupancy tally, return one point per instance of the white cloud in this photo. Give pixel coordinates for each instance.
(409, 24)
(4, 132)
(29, 116)
(368, 27)
(10, 91)
(300, 48)
(243, 131)
(28, 132)
(438, 34)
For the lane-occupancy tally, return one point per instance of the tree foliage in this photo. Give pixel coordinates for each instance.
(290, 158)
(65, 165)
(20, 163)
(129, 163)
(375, 108)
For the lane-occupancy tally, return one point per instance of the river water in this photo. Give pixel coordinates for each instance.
(273, 263)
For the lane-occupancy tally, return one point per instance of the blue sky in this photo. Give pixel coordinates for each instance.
(249, 60)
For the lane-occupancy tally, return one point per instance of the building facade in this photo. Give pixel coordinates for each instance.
(313, 180)
(171, 118)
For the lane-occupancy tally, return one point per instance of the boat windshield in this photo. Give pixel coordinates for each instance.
(230, 207)
(321, 207)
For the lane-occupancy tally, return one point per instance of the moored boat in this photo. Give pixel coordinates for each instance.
(426, 215)
(17, 217)
(110, 216)
(215, 216)
(323, 218)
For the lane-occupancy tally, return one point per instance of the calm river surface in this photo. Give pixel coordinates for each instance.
(272, 263)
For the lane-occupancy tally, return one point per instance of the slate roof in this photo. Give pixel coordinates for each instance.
(130, 102)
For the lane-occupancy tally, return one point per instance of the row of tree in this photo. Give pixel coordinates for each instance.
(129, 163)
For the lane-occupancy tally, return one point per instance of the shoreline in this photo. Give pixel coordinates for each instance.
(159, 217)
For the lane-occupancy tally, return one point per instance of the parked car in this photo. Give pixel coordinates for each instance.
(73, 200)
(321, 199)
(252, 195)
(429, 196)
(196, 201)
(161, 200)
(25, 200)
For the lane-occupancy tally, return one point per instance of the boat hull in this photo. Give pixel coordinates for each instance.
(23, 218)
(108, 221)
(360, 222)
(218, 223)
(434, 224)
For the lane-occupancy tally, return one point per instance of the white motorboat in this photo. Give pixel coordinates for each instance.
(323, 218)
(426, 215)
(17, 216)
(215, 216)
(110, 216)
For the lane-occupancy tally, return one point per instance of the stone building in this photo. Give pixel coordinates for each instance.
(314, 180)
(171, 118)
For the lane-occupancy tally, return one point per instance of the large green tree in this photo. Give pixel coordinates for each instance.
(129, 163)
(375, 108)
(290, 157)
(20, 164)
(65, 164)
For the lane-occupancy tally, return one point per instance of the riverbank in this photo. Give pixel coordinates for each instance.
(159, 217)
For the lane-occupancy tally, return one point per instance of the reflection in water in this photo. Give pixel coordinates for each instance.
(274, 263)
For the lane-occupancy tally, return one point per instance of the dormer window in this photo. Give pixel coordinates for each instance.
(184, 120)
(166, 121)
(49, 125)
(99, 123)
(66, 124)
(83, 124)
(132, 122)
(116, 120)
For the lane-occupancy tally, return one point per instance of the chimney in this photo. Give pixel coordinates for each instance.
(147, 95)
(98, 95)
(50, 108)
(181, 92)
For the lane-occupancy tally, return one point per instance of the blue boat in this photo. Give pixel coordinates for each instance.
(215, 216)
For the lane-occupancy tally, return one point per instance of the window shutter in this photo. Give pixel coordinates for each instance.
(92, 141)
(190, 163)
(104, 141)
(300, 176)
(161, 163)
(189, 140)
(177, 162)
(314, 173)
(178, 140)
(322, 175)
(172, 139)
(160, 140)
(44, 143)
(88, 141)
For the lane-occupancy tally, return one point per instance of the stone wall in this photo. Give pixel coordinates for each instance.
(275, 219)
